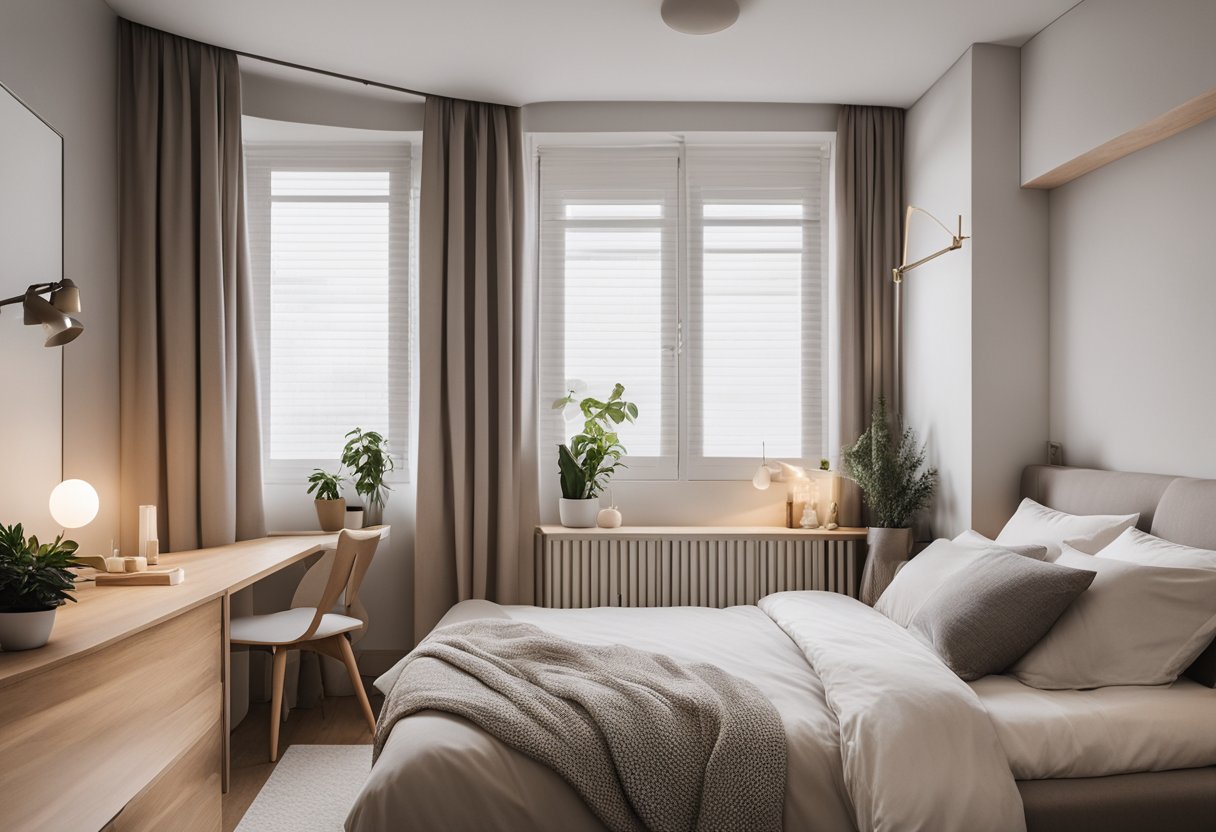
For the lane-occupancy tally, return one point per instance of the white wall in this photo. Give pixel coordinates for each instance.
(975, 320)
(937, 296)
(1133, 289)
(60, 56)
(1106, 67)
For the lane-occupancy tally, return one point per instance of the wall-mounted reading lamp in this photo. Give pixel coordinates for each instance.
(897, 274)
(55, 314)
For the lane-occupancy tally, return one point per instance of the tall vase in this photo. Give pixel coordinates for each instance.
(886, 550)
(373, 512)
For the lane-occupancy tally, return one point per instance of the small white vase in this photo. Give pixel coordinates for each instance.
(354, 518)
(25, 630)
(578, 514)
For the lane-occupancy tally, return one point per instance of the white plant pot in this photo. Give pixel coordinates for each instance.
(354, 518)
(578, 514)
(25, 630)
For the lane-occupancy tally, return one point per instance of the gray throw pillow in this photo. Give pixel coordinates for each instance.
(985, 617)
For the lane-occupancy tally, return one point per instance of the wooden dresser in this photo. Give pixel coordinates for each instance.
(121, 722)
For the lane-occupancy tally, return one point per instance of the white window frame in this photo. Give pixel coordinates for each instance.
(397, 158)
(686, 465)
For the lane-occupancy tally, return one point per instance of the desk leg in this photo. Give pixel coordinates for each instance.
(226, 677)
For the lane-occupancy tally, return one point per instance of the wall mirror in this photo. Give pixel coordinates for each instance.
(31, 375)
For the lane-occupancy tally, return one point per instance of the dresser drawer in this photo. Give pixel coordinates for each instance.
(119, 725)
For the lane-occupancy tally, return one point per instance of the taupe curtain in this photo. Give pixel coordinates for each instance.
(477, 498)
(869, 208)
(191, 440)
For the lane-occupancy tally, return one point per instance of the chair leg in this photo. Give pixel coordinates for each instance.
(276, 699)
(348, 657)
(321, 681)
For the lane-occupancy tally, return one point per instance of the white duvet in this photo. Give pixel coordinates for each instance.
(880, 734)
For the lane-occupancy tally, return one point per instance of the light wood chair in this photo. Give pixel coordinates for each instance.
(316, 628)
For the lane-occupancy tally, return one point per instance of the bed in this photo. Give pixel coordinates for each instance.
(938, 754)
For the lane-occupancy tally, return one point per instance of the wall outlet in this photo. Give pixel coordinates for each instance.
(1055, 453)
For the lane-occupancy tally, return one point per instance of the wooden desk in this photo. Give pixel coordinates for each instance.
(128, 702)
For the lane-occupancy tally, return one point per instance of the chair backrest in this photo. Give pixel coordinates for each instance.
(351, 561)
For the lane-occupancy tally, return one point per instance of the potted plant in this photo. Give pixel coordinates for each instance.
(34, 582)
(331, 508)
(895, 488)
(366, 456)
(591, 458)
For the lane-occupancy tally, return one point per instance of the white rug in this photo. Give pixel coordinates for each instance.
(310, 790)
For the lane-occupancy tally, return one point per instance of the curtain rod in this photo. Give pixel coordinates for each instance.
(341, 76)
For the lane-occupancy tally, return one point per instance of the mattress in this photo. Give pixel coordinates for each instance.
(1095, 733)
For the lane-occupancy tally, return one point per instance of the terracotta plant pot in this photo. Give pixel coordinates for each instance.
(25, 630)
(886, 550)
(331, 514)
(578, 514)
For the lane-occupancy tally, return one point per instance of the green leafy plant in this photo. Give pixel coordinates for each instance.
(34, 576)
(591, 458)
(889, 474)
(367, 458)
(327, 486)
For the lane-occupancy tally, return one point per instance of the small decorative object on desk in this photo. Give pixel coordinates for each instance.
(152, 552)
(587, 464)
(148, 577)
(831, 524)
(147, 528)
(331, 508)
(810, 516)
(354, 517)
(34, 582)
(889, 475)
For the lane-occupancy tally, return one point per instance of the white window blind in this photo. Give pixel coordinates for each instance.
(329, 235)
(608, 265)
(757, 307)
(695, 275)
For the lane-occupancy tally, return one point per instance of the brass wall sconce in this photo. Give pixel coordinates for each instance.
(55, 314)
(897, 275)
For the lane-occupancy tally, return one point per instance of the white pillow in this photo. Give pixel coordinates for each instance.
(919, 578)
(1135, 546)
(1135, 625)
(1035, 523)
(1031, 550)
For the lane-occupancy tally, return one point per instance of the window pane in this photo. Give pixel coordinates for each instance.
(613, 323)
(329, 183)
(329, 337)
(610, 211)
(763, 211)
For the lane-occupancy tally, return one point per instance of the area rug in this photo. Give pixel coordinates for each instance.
(310, 790)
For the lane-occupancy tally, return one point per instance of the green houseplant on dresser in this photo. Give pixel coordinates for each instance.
(587, 463)
(34, 582)
(895, 488)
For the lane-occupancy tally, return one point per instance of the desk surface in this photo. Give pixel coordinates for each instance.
(104, 615)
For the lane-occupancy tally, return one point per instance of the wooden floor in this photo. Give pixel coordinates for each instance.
(343, 724)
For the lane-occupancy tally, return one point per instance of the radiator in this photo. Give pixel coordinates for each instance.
(692, 567)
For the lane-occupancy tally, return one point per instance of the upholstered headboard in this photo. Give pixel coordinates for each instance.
(1180, 509)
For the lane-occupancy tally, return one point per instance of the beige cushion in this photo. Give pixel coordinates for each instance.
(986, 616)
(1135, 625)
(288, 626)
(1038, 524)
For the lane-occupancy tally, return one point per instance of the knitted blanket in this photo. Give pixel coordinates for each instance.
(649, 743)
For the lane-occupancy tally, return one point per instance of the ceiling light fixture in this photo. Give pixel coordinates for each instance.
(55, 314)
(700, 17)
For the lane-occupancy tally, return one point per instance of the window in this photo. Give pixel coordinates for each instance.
(694, 275)
(329, 239)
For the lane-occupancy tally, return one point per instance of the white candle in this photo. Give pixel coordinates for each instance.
(147, 529)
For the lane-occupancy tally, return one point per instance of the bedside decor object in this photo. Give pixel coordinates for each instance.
(354, 517)
(152, 552)
(34, 582)
(589, 461)
(831, 524)
(895, 488)
(331, 508)
(810, 517)
(74, 504)
(367, 458)
(609, 518)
